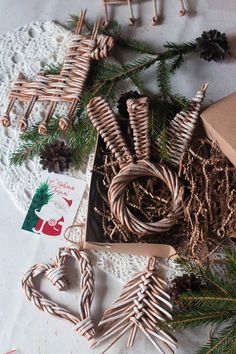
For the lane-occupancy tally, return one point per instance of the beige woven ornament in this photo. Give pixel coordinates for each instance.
(56, 274)
(181, 129)
(133, 167)
(65, 87)
(143, 301)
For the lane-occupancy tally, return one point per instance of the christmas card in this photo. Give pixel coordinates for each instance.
(54, 205)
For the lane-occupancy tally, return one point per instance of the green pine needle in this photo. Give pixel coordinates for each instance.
(224, 343)
(32, 142)
(198, 317)
(163, 79)
(214, 304)
(175, 49)
(177, 63)
(52, 69)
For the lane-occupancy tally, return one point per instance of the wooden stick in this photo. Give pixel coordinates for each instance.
(156, 17)
(183, 10)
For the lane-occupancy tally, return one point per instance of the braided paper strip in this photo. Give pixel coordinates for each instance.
(105, 121)
(117, 197)
(143, 302)
(138, 115)
(56, 273)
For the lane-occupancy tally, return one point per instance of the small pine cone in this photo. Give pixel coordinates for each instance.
(213, 45)
(121, 103)
(56, 157)
(183, 284)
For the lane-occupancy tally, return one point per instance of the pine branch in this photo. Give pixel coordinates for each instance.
(212, 278)
(163, 78)
(162, 138)
(230, 255)
(81, 138)
(52, 69)
(222, 343)
(207, 299)
(174, 49)
(194, 318)
(181, 102)
(33, 143)
(135, 45)
(118, 73)
(177, 63)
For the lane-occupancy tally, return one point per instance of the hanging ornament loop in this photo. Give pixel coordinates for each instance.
(56, 274)
(78, 243)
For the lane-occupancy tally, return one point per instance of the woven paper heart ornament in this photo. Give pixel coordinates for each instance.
(143, 301)
(56, 274)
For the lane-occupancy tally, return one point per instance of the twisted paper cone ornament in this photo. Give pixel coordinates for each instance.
(65, 87)
(180, 131)
(56, 273)
(143, 301)
(105, 121)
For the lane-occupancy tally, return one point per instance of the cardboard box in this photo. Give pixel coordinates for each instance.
(94, 234)
(219, 121)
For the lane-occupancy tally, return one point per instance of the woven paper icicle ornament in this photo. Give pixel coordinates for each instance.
(143, 301)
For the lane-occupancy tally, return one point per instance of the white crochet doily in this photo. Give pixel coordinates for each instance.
(28, 50)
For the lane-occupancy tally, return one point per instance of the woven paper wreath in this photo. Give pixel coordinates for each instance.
(133, 167)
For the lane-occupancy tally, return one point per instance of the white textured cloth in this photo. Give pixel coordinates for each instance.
(28, 50)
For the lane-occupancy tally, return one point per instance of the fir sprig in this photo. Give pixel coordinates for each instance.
(163, 79)
(33, 142)
(215, 304)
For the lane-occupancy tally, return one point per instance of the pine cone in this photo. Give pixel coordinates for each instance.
(213, 45)
(56, 157)
(183, 284)
(122, 106)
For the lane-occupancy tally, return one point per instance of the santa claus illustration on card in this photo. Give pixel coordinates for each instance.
(54, 205)
(52, 216)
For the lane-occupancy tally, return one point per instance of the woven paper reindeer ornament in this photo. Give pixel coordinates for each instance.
(133, 167)
(56, 274)
(143, 301)
(68, 85)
